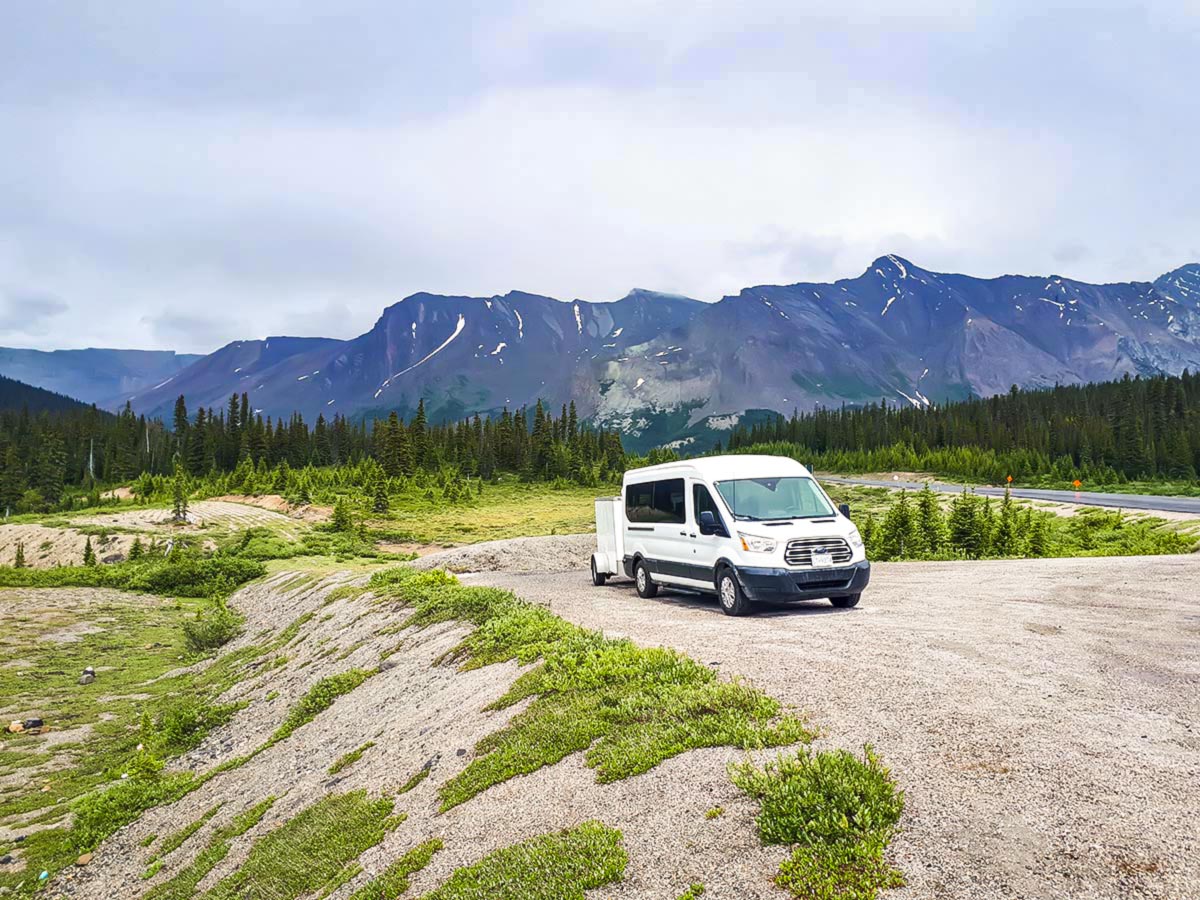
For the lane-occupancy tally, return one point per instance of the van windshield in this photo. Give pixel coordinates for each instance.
(770, 499)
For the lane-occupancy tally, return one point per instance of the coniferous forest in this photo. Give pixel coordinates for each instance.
(45, 455)
(1104, 434)
(1134, 429)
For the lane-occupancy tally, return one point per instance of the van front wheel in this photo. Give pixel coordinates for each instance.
(845, 602)
(730, 594)
(646, 587)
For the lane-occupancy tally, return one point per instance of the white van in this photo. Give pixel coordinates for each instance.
(744, 528)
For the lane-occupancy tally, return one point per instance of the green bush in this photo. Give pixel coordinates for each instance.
(212, 628)
(838, 812)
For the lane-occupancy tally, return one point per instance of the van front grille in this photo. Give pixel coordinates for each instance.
(800, 552)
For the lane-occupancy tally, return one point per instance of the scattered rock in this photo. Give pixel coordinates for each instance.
(85, 859)
(31, 724)
(113, 558)
(16, 727)
(6, 859)
(86, 678)
(461, 752)
(389, 663)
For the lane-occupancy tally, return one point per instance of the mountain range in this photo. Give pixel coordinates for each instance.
(663, 368)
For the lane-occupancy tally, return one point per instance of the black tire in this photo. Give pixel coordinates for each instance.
(597, 579)
(845, 602)
(730, 595)
(646, 587)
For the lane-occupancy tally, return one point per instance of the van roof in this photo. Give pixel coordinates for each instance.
(718, 468)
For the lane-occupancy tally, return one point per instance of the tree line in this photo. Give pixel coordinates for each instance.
(47, 454)
(1132, 429)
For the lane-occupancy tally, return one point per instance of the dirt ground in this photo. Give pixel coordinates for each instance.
(1041, 715)
(49, 547)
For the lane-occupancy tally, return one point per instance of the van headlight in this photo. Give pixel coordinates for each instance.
(756, 544)
(855, 538)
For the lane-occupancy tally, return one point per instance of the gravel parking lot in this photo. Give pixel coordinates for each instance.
(1043, 716)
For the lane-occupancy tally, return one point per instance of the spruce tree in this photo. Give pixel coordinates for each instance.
(963, 525)
(343, 518)
(931, 525)
(898, 536)
(89, 555)
(1007, 540)
(19, 560)
(379, 502)
(136, 550)
(1039, 538)
(179, 494)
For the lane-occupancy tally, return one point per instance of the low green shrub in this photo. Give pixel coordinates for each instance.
(319, 698)
(349, 759)
(394, 880)
(837, 811)
(180, 576)
(560, 866)
(212, 628)
(628, 708)
(312, 853)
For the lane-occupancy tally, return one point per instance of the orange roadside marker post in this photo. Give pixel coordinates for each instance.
(1010, 479)
(1078, 484)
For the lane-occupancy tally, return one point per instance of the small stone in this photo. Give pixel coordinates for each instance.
(85, 859)
(16, 727)
(386, 664)
(86, 678)
(6, 859)
(461, 752)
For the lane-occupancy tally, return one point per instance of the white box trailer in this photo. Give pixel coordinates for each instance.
(610, 540)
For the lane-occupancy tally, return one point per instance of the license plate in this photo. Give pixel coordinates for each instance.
(822, 560)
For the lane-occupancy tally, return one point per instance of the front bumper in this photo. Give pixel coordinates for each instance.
(804, 584)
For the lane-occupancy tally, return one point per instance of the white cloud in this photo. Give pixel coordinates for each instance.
(688, 149)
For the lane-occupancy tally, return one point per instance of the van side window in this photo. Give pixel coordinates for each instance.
(655, 502)
(703, 502)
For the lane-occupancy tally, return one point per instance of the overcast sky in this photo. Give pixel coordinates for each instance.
(181, 174)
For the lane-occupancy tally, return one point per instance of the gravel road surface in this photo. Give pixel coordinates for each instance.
(1149, 502)
(1043, 716)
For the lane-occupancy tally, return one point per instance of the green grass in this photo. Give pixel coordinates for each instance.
(349, 759)
(511, 508)
(715, 813)
(319, 698)
(133, 641)
(560, 866)
(394, 880)
(693, 891)
(420, 775)
(837, 811)
(177, 839)
(627, 708)
(183, 885)
(313, 852)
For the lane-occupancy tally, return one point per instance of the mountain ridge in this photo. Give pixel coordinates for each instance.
(665, 368)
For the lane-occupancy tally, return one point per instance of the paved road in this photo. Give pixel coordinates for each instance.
(1188, 505)
(1042, 716)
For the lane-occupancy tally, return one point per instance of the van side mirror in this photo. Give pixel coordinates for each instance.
(844, 509)
(709, 524)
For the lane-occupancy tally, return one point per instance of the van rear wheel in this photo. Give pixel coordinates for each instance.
(730, 594)
(646, 587)
(845, 602)
(598, 578)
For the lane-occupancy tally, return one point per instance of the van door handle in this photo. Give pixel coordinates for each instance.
(684, 534)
